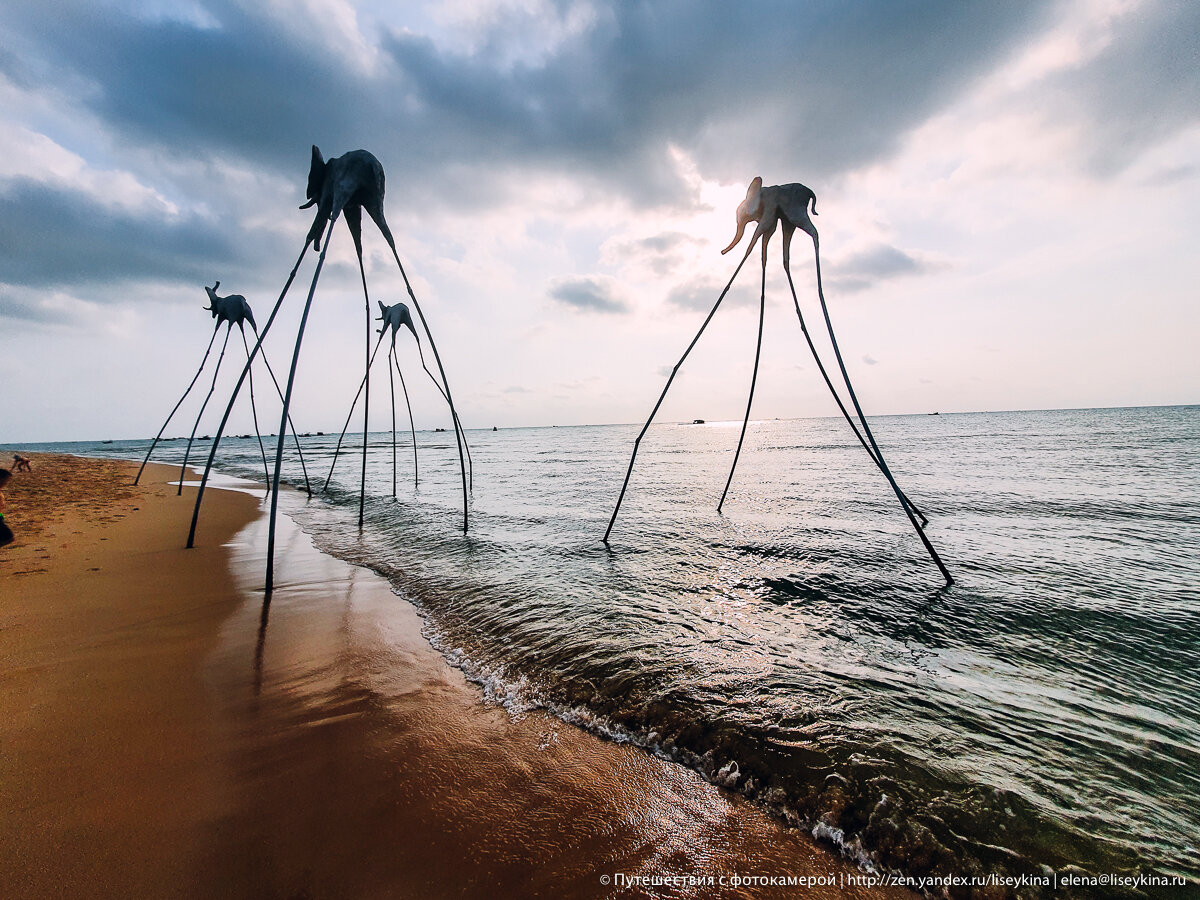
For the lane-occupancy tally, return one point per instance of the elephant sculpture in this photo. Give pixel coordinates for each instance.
(772, 207)
(342, 185)
(231, 310)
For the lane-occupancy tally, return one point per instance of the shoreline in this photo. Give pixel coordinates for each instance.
(173, 735)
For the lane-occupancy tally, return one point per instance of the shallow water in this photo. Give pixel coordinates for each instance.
(1041, 713)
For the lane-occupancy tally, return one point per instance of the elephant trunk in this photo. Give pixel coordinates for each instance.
(741, 229)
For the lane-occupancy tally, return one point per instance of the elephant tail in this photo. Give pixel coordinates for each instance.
(813, 195)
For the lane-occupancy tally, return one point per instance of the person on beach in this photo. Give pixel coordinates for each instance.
(6, 535)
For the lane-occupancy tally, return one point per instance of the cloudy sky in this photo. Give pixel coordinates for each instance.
(1009, 199)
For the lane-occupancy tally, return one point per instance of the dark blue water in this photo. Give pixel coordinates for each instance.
(1042, 713)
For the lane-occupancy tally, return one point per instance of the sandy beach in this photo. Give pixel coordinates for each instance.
(164, 734)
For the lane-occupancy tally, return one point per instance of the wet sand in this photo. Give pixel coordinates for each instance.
(166, 734)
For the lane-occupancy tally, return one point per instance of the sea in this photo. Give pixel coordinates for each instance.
(1037, 718)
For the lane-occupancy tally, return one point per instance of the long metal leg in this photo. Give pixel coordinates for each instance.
(437, 357)
(762, 312)
(883, 466)
(254, 413)
(195, 378)
(433, 378)
(188, 451)
(368, 357)
(392, 391)
(637, 442)
(412, 427)
(346, 425)
(836, 396)
(287, 402)
(291, 424)
(212, 453)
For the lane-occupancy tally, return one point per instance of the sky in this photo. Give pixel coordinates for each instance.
(1008, 201)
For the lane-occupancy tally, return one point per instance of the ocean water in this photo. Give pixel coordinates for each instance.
(1040, 715)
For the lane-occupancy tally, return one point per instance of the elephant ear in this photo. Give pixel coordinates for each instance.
(316, 177)
(750, 210)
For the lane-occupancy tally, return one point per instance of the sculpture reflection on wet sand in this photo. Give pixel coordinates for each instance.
(395, 317)
(786, 206)
(231, 310)
(343, 185)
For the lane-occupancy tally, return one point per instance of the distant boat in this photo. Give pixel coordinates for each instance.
(697, 421)
(106, 442)
(934, 414)
(439, 429)
(320, 434)
(494, 428)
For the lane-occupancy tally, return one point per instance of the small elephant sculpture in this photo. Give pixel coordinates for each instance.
(394, 317)
(233, 309)
(345, 184)
(779, 204)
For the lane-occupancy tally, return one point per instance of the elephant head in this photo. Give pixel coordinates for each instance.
(769, 206)
(394, 317)
(233, 309)
(346, 183)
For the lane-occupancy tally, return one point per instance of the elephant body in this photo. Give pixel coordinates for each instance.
(770, 206)
(347, 183)
(233, 309)
(394, 317)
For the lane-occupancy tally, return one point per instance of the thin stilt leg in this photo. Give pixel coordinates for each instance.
(212, 453)
(836, 396)
(346, 425)
(254, 413)
(291, 425)
(188, 451)
(637, 442)
(867, 428)
(392, 391)
(433, 378)
(368, 357)
(195, 378)
(287, 402)
(459, 437)
(762, 312)
(411, 425)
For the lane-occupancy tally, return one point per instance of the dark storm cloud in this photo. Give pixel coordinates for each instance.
(782, 89)
(879, 263)
(52, 236)
(588, 294)
(1141, 89)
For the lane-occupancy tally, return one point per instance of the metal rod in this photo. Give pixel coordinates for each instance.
(254, 414)
(188, 451)
(433, 378)
(411, 425)
(637, 442)
(392, 391)
(368, 358)
(883, 466)
(195, 378)
(762, 312)
(291, 424)
(212, 453)
(287, 402)
(836, 396)
(345, 427)
(459, 437)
